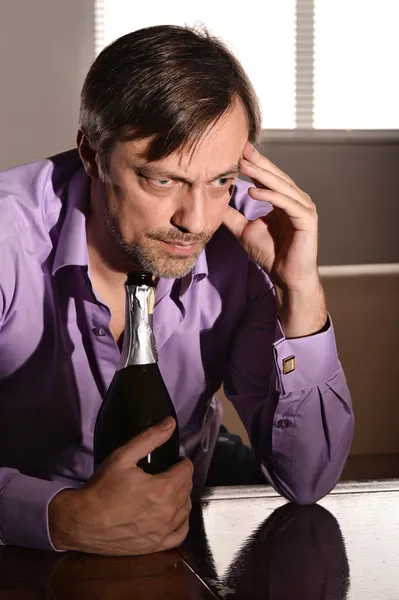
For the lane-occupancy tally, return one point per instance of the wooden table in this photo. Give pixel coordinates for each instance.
(244, 543)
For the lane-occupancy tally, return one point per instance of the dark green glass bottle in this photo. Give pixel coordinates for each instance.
(137, 397)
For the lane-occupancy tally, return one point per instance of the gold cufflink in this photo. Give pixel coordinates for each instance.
(289, 364)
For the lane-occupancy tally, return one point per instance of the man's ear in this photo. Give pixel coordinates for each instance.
(88, 156)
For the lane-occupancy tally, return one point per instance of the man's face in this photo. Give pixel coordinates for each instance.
(163, 213)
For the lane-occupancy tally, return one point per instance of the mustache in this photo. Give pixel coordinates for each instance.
(176, 236)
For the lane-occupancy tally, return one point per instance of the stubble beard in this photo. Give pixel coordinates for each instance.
(149, 254)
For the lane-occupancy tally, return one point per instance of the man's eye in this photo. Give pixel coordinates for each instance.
(223, 181)
(157, 182)
(162, 182)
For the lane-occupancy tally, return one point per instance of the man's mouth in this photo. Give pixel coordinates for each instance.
(180, 248)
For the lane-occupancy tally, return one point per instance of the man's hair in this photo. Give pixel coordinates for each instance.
(165, 82)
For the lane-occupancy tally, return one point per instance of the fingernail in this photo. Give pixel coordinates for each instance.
(167, 423)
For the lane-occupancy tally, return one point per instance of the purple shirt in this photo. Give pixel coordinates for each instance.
(217, 325)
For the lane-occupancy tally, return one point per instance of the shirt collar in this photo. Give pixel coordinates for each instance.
(198, 273)
(200, 269)
(72, 243)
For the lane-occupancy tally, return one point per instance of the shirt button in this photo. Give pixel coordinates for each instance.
(100, 331)
(283, 423)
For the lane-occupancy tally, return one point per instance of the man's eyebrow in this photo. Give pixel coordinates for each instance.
(159, 173)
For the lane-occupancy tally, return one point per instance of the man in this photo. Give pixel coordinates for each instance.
(167, 121)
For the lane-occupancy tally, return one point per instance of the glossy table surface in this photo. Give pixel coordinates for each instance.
(244, 543)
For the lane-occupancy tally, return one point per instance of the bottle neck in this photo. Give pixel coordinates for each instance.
(138, 342)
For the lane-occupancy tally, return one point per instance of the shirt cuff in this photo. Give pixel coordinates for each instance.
(316, 360)
(24, 512)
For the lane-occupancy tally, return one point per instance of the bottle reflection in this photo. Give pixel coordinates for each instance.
(297, 553)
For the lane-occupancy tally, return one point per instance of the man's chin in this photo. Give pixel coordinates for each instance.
(174, 268)
(167, 267)
(164, 264)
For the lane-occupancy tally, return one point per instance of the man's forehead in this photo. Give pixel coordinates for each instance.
(186, 162)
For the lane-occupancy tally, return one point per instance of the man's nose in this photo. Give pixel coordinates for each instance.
(190, 215)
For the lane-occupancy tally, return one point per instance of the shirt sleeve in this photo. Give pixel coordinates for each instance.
(24, 509)
(299, 420)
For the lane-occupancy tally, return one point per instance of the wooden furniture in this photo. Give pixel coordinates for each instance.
(245, 543)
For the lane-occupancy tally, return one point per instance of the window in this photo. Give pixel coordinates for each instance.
(356, 83)
(322, 64)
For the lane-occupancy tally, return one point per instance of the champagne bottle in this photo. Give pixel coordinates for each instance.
(137, 397)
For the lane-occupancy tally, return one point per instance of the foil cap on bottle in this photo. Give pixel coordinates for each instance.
(139, 343)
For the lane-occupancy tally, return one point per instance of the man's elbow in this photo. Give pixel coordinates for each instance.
(304, 490)
(315, 475)
(305, 497)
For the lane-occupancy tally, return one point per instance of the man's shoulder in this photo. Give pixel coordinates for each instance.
(31, 192)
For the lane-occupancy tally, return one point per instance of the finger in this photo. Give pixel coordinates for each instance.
(272, 181)
(181, 516)
(177, 481)
(235, 221)
(146, 442)
(293, 208)
(253, 156)
(177, 537)
(182, 470)
(183, 494)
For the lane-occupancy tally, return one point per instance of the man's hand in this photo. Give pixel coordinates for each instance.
(284, 243)
(122, 510)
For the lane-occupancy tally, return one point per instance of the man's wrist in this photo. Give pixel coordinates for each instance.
(63, 520)
(302, 312)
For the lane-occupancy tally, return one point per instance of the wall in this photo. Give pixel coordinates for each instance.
(355, 185)
(46, 47)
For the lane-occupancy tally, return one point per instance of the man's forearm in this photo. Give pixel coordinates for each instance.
(302, 313)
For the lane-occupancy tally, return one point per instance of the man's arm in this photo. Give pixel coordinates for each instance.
(24, 500)
(292, 397)
(24, 505)
(120, 511)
